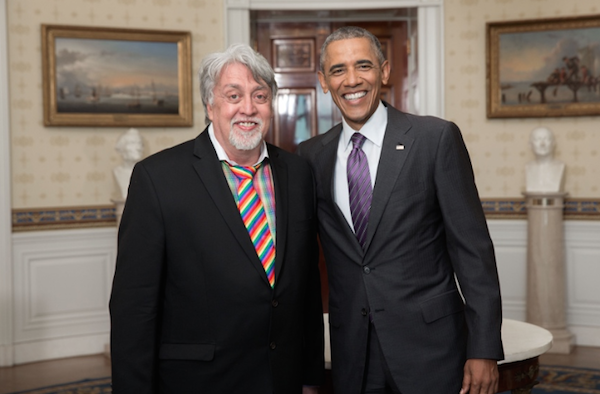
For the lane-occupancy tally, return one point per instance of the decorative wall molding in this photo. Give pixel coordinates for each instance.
(504, 208)
(51, 349)
(582, 261)
(510, 245)
(582, 254)
(328, 4)
(34, 219)
(581, 208)
(62, 281)
(7, 355)
(63, 218)
(515, 208)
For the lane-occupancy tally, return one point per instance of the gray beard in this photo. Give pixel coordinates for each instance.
(245, 141)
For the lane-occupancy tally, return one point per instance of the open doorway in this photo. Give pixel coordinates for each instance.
(291, 41)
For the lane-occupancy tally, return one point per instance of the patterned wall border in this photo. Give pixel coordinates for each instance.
(579, 208)
(105, 215)
(63, 218)
(504, 208)
(575, 208)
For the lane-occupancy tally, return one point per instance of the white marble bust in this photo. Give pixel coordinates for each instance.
(130, 146)
(545, 174)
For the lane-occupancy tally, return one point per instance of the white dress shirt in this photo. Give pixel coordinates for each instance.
(268, 203)
(222, 155)
(373, 130)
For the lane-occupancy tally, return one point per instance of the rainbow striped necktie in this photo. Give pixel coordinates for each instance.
(255, 218)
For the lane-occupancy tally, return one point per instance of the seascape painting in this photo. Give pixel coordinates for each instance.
(111, 76)
(94, 76)
(548, 68)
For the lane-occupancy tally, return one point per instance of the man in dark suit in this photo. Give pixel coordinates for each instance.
(194, 309)
(397, 319)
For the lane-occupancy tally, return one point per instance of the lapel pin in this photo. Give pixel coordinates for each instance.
(399, 147)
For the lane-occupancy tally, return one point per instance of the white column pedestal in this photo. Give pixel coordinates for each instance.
(546, 301)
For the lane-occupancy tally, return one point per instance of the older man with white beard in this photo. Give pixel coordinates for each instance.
(217, 286)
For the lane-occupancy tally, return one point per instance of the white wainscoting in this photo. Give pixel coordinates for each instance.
(61, 284)
(62, 280)
(582, 272)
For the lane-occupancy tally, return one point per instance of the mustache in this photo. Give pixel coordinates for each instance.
(258, 121)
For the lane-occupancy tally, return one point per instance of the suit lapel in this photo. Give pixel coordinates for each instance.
(326, 165)
(211, 175)
(396, 147)
(280, 185)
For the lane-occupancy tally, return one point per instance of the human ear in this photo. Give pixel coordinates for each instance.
(385, 72)
(323, 82)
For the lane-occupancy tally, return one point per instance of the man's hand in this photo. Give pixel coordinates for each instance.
(481, 377)
(310, 390)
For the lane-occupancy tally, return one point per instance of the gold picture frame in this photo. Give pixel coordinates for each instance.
(543, 68)
(109, 77)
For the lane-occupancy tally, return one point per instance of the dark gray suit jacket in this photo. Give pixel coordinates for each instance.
(191, 308)
(426, 225)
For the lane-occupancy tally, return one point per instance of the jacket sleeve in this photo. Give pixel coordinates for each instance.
(134, 304)
(469, 245)
(314, 350)
(314, 373)
(314, 342)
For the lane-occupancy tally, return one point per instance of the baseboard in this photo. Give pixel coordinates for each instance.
(586, 336)
(6, 355)
(59, 348)
(107, 350)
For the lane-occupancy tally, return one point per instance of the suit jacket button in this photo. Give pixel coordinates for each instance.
(363, 312)
(366, 270)
(275, 303)
(272, 345)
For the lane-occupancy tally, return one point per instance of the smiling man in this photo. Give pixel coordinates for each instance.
(399, 220)
(217, 288)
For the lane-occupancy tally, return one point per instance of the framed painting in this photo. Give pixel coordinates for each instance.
(293, 55)
(543, 68)
(105, 77)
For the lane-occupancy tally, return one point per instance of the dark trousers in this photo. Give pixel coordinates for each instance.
(377, 378)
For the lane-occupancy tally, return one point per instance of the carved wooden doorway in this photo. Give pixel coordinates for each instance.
(293, 49)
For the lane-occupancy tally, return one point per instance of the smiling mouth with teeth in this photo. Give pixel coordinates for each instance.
(354, 96)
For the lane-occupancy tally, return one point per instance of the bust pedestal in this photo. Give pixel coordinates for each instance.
(546, 267)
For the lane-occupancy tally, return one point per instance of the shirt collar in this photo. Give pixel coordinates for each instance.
(373, 129)
(222, 155)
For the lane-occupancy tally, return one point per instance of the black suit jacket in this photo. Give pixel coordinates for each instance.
(191, 307)
(426, 225)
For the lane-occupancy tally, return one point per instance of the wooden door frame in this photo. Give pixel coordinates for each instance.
(6, 296)
(428, 97)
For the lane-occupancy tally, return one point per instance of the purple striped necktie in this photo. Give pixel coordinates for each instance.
(359, 187)
(255, 218)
